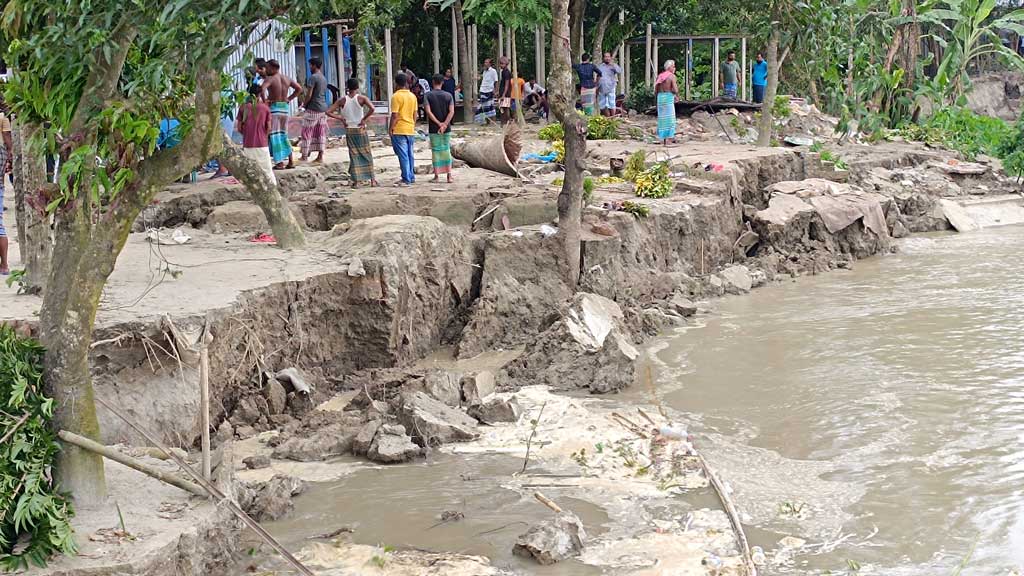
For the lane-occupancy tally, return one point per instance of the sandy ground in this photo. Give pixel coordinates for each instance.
(159, 520)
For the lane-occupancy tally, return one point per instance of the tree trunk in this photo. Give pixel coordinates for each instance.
(577, 10)
(87, 240)
(465, 71)
(562, 98)
(81, 264)
(35, 239)
(812, 88)
(602, 27)
(766, 122)
(265, 194)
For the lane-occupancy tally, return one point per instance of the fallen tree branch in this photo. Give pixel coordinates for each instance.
(112, 454)
(214, 492)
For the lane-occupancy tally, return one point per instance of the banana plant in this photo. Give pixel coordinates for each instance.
(972, 34)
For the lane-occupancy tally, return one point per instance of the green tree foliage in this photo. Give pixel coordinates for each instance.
(967, 31)
(96, 77)
(34, 516)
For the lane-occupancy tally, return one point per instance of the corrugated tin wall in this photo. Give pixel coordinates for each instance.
(261, 44)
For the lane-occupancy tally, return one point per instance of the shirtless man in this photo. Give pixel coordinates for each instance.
(276, 87)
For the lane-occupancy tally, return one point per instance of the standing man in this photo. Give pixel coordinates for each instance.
(607, 85)
(449, 83)
(730, 76)
(277, 86)
(488, 81)
(760, 78)
(588, 74)
(666, 89)
(402, 128)
(505, 91)
(6, 155)
(253, 122)
(314, 119)
(356, 110)
(440, 112)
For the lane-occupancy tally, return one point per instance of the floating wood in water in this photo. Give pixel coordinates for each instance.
(547, 502)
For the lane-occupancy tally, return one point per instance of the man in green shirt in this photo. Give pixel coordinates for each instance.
(730, 76)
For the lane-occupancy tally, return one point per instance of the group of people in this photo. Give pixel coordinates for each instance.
(500, 93)
(666, 90)
(732, 77)
(598, 85)
(263, 118)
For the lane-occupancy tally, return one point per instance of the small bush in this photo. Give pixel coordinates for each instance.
(635, 164)
(781, 109)
(654, 182)
(559, 147)
(598, 128)
(959, 129)
(551, 132)
(640, 98)
(638, 210)
(31, 508)
(602, 128)
(588, 190)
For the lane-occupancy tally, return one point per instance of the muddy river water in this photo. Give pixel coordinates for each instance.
(877, 413)
(900, 382)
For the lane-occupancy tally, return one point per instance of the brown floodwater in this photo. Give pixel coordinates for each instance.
(879, 409)
(400, 506)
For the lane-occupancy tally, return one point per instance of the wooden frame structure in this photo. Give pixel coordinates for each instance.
(652, 66)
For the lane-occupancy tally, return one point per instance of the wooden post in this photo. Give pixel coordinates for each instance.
(455, 47)
(715, 72)
(657, 62)
(390, 80)
(543, 75)
(437, 51)
(475, 63)
(743, 67)
(626, 71)
(647, 58)
(536, 54)
(689, 66)
(501, 42)
(624, 85)
(325, 46)
(204, 400)
(342, 77)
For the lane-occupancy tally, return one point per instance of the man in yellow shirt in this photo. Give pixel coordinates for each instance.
(403, 128)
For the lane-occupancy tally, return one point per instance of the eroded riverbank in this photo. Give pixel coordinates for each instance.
(359, 309)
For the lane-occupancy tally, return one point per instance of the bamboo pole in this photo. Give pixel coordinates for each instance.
(437, 51)
(390, 71)
(342, 78)
(111, 454)
(647, 58)
(204, 398)
(743, 67)
(455, 48)
(213, 491)
(715, 57)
